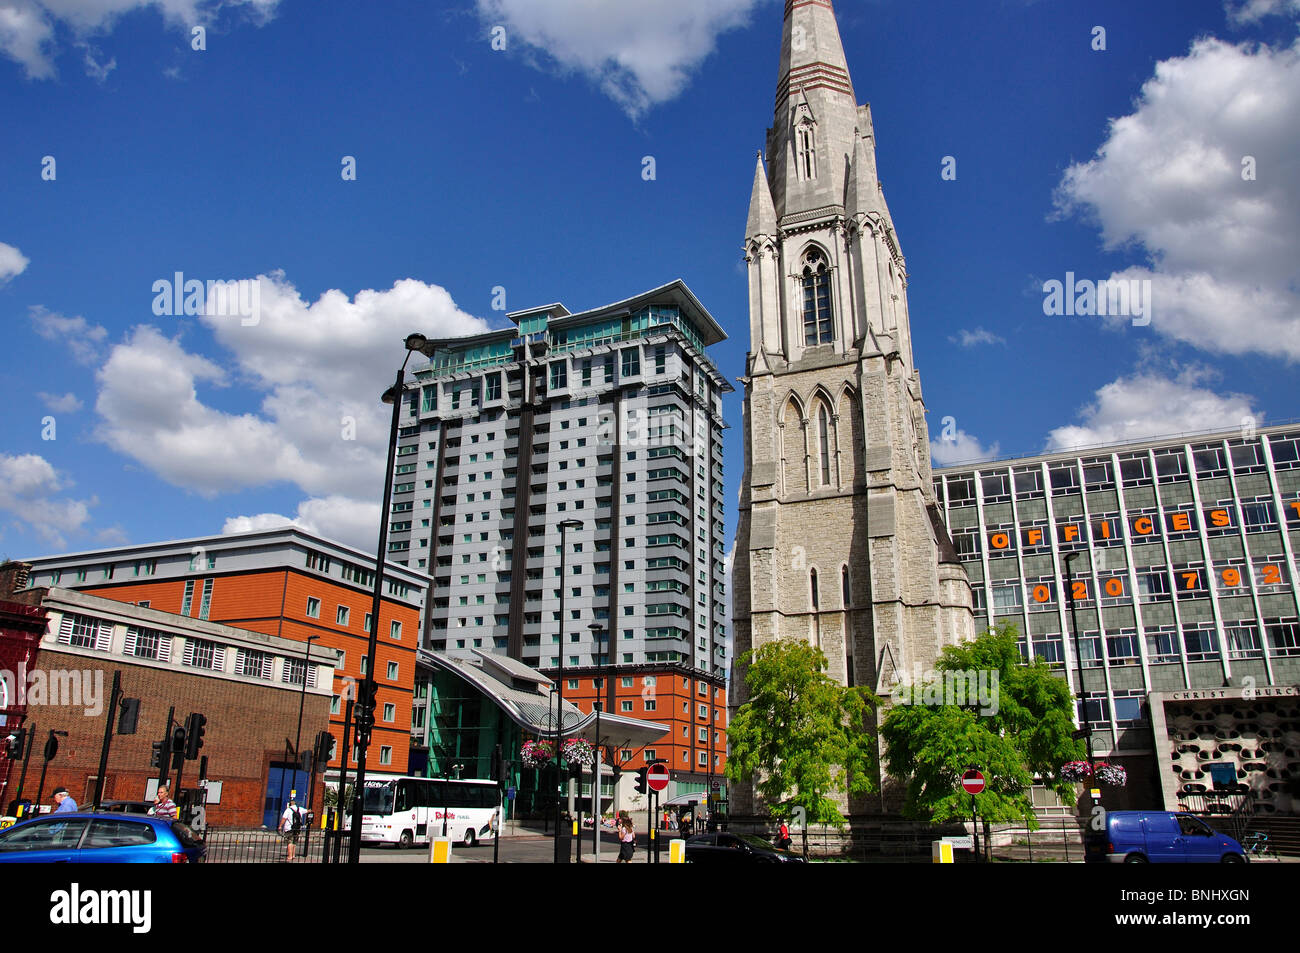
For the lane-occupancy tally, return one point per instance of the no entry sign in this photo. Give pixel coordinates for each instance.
(656, 778)
(972, 782)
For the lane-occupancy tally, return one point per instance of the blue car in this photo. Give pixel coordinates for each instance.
(86, 838)
(1160, 837)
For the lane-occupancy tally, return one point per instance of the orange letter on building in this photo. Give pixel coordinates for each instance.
(1179, 521)
(1142, 526)
(1221, 518)
(999, 540)
(1033, 537)
(1070, 532)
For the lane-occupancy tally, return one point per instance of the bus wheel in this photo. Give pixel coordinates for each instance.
(470, 838)
(406, 840)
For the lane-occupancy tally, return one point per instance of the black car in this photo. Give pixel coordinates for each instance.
(725, 848)
(127, 807)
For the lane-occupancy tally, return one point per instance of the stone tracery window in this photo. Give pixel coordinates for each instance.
(818, 327)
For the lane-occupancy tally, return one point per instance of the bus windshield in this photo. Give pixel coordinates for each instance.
(378, 798)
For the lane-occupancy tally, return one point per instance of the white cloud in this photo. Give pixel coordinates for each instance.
(344, 520)
(27, 27)
(978, 336)
(1223, 251)
(318, 370)
(639, 54)
(61, 403)
(29, 485)
(1148, 404)
(81, 338)
(960, 447)
(12, 261)
(1252, 11)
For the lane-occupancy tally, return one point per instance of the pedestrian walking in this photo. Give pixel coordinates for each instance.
(783, 836)
(291, 824)
(163, 805)
(626, 839)
(63, 802)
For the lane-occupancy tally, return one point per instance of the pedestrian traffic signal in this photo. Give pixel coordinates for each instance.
(194, 729)
(640, 780)
(129, 716)
(156, 759)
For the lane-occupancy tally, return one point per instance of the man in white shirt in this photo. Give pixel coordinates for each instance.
(291, 823)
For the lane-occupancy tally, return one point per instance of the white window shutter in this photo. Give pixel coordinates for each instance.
(164, 648)
(219, 658)
(132, 634)
(104, 636)
(65, 630)
(267, 663)
(311, 676)
(188, 657)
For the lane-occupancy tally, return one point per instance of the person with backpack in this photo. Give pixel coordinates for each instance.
(291, 824)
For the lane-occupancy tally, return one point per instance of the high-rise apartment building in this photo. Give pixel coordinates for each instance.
(611, 418)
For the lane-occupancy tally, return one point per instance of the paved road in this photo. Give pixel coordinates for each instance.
(523, 849)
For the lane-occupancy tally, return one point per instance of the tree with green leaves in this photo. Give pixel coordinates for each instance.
(1021, 728)
(805, 736)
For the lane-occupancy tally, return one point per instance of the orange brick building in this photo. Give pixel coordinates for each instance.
(693, 703)
(286, 583)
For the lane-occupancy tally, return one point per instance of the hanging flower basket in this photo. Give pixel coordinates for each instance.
(1111, 774)
(579, 751)
(1075, 771)
(536, 753)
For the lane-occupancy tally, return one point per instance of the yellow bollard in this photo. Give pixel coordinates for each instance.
(941, 852)
(677, 851)
(440, 850)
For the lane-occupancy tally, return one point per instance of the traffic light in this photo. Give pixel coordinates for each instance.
(130, 715)
(324, 747)
(365, 710)
(640, 785)
(156, 759)
(15, 744)
(194, 728)
(178, 747)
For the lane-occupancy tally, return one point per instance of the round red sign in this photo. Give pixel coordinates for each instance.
(656, 778)
(972, 782)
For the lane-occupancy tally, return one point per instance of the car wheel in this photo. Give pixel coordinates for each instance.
(1232, 859)
(1135, 859)
(407, 839)
(470, 838)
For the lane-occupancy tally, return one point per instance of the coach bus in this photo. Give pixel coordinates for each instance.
(408, 811)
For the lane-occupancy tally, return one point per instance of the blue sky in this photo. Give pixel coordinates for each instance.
(521, 168)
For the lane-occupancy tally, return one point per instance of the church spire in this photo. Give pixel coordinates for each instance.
(762, 213)
(816, 113)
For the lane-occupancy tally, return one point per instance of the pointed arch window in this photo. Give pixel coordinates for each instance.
(824, 439)
(812, 579)
(844, 585)
(806, 150)
(818, 328)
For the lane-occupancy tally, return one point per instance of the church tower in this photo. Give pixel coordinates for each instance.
(839, 541)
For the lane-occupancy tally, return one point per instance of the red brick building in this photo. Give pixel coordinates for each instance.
(250, 686)
(286, 583)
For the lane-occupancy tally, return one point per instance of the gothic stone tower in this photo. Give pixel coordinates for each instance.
(839, 540)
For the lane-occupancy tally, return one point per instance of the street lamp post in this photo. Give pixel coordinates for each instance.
(565, 525)
(1084, 724)
(599, 684)
(302, 700)
(365, 710)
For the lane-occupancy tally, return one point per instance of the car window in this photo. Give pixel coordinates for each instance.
(1190, 825)
(185, 835)
(44, 835)
(115, 833)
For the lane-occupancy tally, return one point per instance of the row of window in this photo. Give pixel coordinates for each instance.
(1136, 469)
(1245, 639)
